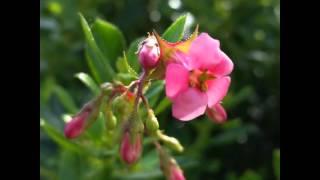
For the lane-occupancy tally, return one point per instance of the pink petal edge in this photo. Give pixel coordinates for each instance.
(189, 104)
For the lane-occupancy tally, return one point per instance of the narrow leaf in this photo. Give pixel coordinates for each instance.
(65, 99)
(100, 64)
(89, 82)
(164, 103)
(129, 68)
(175, 31)
(276, 163)
(57, 136)
(109, 39)
(132, 56)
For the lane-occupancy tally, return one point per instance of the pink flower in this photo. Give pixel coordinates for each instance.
(130, 151)
(199, 80)
(176, 173)
(77, 125)
(149, 53)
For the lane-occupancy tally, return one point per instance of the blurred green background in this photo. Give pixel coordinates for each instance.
(247, 147)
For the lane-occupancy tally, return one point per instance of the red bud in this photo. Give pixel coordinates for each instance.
(76, 126)
(217, 113)
(176, 173)
(130, 151)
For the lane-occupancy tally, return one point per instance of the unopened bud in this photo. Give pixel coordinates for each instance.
(171, 142)
(217, 113)
(79, 123)
(76, 126)
(149, 52)
(111, 120)
(131, 148)
(122, 106)
(171, 169)
(136, 124)
(176, 173)
(151, 121)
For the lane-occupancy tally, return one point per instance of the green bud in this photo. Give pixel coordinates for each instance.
(106, 88)
(121, 107)
(152, 122)
(136, 124)
(171, 142)
(111, 120)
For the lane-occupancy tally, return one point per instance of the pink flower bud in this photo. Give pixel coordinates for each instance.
(217, 113)
(176, 173)
(130, 151)
(149, 53)
(76, 126)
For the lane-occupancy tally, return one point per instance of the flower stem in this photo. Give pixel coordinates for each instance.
(145, 101)
(139, 92)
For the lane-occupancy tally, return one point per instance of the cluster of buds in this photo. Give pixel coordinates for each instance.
(196, 75)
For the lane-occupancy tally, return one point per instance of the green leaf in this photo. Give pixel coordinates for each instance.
(69, 166)
(109, 39)
(175, 31)
(276, 163)
(91, 65)
(149, 161)
(97, 128)
(89, 82)
(155, 89)
(65, 99)
(164, 103)
(47, 89)
(250, 175)
(154, 92)
(121, 65)
(125, 78)
(57, 136)
(129, 68)
(132, 56)
(47, 174)
(99, 64)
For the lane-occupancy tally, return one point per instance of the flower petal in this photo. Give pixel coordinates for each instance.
(183, 59)
(189, 104)
(204, 52)
(217, 113)
(224, 67)
(217, 89)
(177, 78)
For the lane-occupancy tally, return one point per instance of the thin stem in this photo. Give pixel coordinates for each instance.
(132, 85)
(139, 92)
(145, 101)
(158, 145)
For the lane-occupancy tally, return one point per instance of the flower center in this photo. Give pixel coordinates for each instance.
(198, 79)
